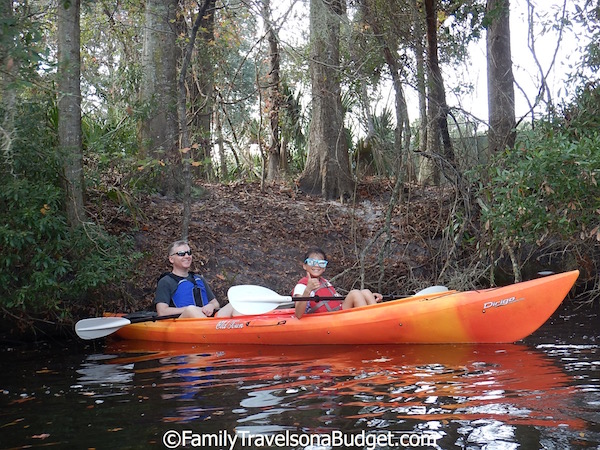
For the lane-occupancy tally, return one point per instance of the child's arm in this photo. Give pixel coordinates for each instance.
(300, 308)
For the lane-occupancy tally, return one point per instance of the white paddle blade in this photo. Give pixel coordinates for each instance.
(251, 300)
(98, 327)
(431, 290)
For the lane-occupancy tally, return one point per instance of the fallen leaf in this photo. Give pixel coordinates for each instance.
(41, 436)
(21, 400)
(14, 422)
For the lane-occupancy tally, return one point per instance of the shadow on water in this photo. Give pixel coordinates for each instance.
(541, 393)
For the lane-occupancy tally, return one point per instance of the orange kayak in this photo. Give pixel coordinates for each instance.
(495, 315)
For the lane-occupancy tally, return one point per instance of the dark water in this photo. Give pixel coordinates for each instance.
(542, 393)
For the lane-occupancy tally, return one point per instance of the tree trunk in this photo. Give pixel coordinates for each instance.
(421, 75)
(221, 146)
(368, 157)
(201, 93)
(438, 136)
(392, 59)
(274, 164)
(327, 171)
(8, 96)
(69, 109)
(402, 122)
(158, 130)
(184, 136)
(501, 91)
(421, 83)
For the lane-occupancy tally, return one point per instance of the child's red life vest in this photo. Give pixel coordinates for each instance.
(325, 290)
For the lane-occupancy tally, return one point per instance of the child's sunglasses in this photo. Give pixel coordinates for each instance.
(322, 263)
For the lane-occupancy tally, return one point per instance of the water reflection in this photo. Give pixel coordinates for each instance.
(544, 393)
(503, 395)
(95, 372)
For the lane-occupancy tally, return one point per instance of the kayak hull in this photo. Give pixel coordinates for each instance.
(496, 315)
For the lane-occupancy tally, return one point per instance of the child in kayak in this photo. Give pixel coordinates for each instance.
(314, 285)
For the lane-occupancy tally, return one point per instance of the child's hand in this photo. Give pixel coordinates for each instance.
(313, 284)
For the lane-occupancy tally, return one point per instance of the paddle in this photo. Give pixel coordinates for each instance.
(98, 327)
(251, 300)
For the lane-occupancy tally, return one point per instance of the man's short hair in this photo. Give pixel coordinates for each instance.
(176, 244)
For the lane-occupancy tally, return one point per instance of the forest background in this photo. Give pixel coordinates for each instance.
(256, 128)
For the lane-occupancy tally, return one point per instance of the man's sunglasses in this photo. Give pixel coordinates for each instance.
(187, 252)
(322, 263)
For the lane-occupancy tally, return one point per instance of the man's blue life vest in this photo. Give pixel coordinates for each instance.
(190, 292)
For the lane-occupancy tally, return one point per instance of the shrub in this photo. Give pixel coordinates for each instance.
(46, 265)
(547, 185)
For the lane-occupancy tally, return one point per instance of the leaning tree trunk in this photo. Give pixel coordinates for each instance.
(69, 109)
(402, 131)
(501, 91)
(327, 171)
(158, 130)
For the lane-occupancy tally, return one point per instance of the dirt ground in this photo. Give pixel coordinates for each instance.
(242, 234)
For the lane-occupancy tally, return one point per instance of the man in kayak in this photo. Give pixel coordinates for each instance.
(182, 291)
(314, 285)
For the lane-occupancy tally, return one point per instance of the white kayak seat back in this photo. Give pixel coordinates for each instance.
(432, 290)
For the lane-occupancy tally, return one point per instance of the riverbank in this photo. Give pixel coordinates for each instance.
(242, 234)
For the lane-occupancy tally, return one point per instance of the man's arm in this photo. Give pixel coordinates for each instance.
(213, 304)
(211, 307)
(162, 309)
